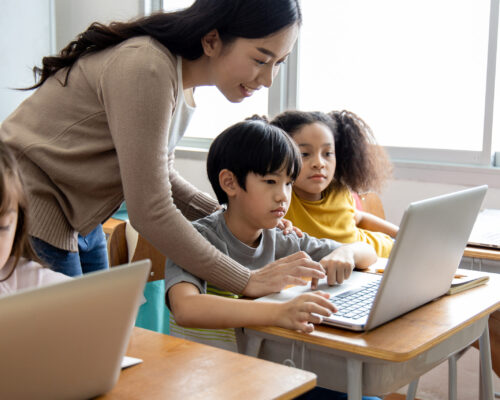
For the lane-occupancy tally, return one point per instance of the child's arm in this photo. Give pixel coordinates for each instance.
(341, 261)
(373, 223)
(195, 310)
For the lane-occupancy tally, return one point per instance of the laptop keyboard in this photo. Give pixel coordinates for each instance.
(356, 303)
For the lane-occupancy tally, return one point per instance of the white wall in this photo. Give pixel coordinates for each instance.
(396, 196)
(25, 37)
(74, 16)
(32, 29)
(399, 193)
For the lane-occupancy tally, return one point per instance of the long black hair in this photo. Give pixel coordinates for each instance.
(180, 31)
(362, 165)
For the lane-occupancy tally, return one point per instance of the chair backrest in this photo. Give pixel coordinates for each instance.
(372, 203)
(145, 250)
(126, 245)
(117, 243)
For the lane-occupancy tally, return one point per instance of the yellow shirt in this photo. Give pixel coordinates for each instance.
(332, 217)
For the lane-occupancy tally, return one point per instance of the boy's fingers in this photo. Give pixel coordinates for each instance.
(306, 327)
(315, 319)
(323, 294)
(325, 311)
(320, 305)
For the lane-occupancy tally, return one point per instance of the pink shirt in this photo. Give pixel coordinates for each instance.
(28, 274)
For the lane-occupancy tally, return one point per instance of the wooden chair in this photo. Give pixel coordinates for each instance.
(116, 241)
(124, 245)
(371, 202)
(120, 253)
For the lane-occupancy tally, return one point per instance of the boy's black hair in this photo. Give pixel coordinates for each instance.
(251, 146)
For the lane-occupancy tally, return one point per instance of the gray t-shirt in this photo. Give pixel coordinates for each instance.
(273, 245)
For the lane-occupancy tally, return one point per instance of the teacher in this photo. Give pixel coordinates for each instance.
(102, 125)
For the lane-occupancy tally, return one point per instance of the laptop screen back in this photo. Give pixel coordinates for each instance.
(67, 341)
(426, 253)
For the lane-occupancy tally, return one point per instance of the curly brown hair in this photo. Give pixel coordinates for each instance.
(362, 165)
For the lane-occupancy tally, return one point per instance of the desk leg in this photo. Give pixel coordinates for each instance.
(486, 384)
(354, 379)
(412, 390)
(253, 346)
(452, 377)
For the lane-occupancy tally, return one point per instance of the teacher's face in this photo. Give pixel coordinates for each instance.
(243, 66)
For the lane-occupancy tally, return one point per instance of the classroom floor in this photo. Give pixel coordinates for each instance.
(434, 384)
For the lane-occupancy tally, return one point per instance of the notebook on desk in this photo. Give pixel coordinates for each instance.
(426, 253)
(486, 230)
(67, 340)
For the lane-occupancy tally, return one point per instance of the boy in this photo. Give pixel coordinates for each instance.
(251, 167)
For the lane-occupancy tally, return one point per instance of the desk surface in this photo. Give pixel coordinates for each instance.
(178, 369)
(411, 334)
(478, 252)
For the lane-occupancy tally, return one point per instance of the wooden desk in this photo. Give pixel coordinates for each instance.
(397, 353)
(485, 254)
(178, 369)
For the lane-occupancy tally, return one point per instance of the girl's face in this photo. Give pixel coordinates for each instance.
(8, 225)
(246, 65)
(317, 147)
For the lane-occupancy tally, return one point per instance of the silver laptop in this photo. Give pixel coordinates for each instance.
(67, 340)
(427, 251)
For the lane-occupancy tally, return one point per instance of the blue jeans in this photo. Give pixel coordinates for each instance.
(92, 254)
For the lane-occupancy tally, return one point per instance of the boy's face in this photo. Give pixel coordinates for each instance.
(265, 201)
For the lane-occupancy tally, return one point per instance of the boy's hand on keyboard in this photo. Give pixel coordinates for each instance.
(305, 310)
(338, 264)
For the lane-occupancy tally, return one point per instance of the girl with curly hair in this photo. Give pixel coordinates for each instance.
(339, 156)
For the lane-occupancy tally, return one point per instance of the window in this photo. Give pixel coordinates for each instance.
(214, 112)
(415, 71)
(420, 73)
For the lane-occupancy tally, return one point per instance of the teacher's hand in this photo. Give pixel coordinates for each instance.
(286, 271)
(287, 227)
